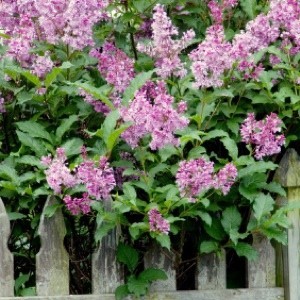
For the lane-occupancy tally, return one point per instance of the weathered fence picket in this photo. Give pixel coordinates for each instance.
(52, 261)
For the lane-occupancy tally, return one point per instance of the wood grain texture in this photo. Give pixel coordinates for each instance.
(160, 258)
(234, 294)
(6, 258)
(288, 175)
(211, 271)
(52, 261)
(262, 271)
(107, 273)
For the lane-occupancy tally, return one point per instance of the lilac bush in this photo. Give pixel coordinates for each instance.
(174, 121)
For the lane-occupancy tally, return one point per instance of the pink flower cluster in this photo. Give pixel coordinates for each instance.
(58, 175)
(53, 21)
(98, 179)
(197, 175)
(78, 205)
(151, 112)
(211, 58)
(115, 66)
(157, 222)
(263, 134)
(163, 48)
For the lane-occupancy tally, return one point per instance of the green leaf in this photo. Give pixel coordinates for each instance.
(72, 146)
(34, 79)
(257, 167)
(121, 292)
(209, 246)
(34, 129)
(34, 144)
(216, 230)
(8, 172)
(65, 126)
(214, 134)
(249, 7)
(152, 274)
(231, 147)
(51, 210)
(231, 219)
(128, 256)
(15, 216)
(137, 286)
(129, 191)
(52, 76)
(103, 230)
(166, 152)
(136, 83)
(20, 281)
(244, 249)
(275, 233)
(113, 137)
(109, 124)
(66, 65)
(164, 240)
(95, 92)
(263, 205)
(24, 96)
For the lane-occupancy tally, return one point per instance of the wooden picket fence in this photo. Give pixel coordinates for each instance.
(274, 276)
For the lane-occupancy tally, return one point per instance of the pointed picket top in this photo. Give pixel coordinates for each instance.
(107, 274)
(52, 261)
(6, 258)
(160, 258)
(211, 271)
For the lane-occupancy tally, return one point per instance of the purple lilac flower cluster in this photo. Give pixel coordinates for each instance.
(115, 66)
(157, 222)
(70, 21)
(98, 179)
(151, 112)
(163, 48)
(211, 58)
(58, 175)
(78, 205)
(263, 134)
(197, 175)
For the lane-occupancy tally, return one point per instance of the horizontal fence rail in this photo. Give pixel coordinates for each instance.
(275, 266)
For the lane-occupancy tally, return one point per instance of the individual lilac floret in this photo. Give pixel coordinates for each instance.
(115, 66)
(152, 112)
(163, 48)
(225, 178)
(98, 179)
(78, 205)
(263, 135)
(58, 175)
(157, 222)
(194, 176)
(211, 58)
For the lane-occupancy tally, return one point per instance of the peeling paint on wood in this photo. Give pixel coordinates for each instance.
(262, 271)
(52, 261)
(107, 274)
(211, 271)
(160, 258)
(6, 258)
(288, 175)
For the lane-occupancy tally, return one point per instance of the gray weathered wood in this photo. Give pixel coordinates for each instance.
(288, 174)
(262, 271)
(52, 261)
(6, 258)
(160, 258)
(107, 274)
(211, 272)
(236, 294)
